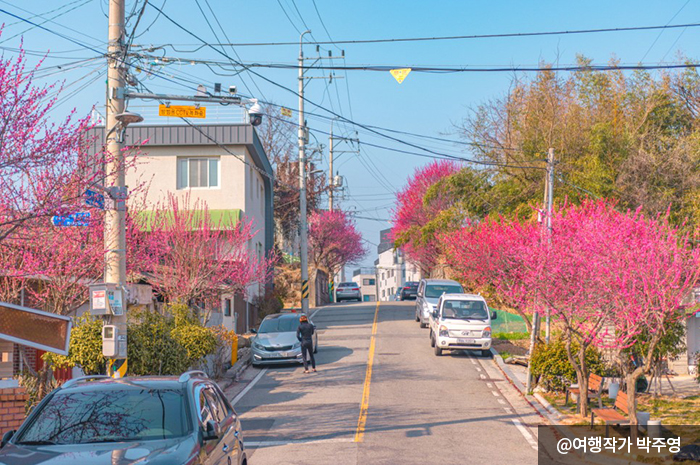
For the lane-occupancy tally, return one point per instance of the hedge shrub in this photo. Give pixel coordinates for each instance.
(158, 344)
(553, 371)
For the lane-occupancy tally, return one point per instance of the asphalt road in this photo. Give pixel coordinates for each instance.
(408, 407)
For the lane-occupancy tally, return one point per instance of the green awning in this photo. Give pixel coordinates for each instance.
(226, 218)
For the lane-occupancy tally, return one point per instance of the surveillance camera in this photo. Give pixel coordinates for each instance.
(232, 89)
(255, 113)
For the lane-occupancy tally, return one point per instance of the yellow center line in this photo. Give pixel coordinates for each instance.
(364, 406)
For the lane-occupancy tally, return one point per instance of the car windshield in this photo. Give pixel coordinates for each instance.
(347, 285)
(279, 325)
(436, 290)
(465, 310)
(110, 415)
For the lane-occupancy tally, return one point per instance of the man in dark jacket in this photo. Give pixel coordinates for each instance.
(305, 333)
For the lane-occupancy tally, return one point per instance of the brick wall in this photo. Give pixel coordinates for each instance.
(11, 408)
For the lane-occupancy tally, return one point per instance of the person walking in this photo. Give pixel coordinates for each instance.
(305, 333)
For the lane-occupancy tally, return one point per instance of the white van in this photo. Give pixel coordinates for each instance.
(461, 322)
(429, 291)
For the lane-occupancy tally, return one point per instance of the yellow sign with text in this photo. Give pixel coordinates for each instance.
(400, 74)
(286, 111)
(181, 111)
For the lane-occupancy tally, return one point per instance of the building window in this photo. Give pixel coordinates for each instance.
(227, 307)
(197, 172)
(368, 282)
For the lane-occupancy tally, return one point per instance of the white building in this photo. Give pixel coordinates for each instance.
(366, 279)
(393, 272)
(222, 165)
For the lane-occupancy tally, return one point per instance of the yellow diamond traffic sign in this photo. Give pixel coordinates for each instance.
(182, 111)
(400, 74)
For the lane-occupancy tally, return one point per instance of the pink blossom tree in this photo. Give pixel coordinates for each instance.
(660, 269)
(493, 256)
(58, 265)
(197, 258)
(45, 166)
(334, 240)
(411, 214)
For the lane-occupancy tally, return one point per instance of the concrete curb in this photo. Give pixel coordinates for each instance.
(238, 368)
(542, 406)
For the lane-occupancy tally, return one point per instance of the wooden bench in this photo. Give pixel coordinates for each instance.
(611, 416)
(595, 388)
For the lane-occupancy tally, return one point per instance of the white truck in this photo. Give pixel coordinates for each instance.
(461, 322)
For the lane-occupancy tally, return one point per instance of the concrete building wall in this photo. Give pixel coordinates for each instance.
(368, 286)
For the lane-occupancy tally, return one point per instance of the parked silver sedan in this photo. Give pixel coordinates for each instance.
(348, 291)
(276, 341)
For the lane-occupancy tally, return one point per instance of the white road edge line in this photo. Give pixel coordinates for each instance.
(495, 394)
(528, 436)
(248, 387)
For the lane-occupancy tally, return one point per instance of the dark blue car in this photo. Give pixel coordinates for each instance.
(147, 420)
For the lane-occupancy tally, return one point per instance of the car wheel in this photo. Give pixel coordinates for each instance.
(438, 351)
(432, 339)
(486, 353)
(417, 317)
(423, 325)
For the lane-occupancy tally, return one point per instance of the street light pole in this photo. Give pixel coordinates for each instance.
(303, 228)
(114, 228)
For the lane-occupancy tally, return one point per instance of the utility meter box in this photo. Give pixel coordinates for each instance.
(109, 340)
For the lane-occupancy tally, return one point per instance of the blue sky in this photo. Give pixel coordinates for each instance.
(428, 104)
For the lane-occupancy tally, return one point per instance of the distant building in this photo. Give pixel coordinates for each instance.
(393, 271)
(367, 280)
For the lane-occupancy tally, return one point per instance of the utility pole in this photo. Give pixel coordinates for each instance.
(115, 230)
(549, 200)
(331, 181)
(303, 228)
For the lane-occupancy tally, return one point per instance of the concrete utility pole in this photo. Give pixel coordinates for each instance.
(331, 182)
(303, 228)
(115, 230)
(549, 200)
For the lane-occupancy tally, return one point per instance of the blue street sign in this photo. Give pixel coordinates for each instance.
(94, 199)
(74, 219)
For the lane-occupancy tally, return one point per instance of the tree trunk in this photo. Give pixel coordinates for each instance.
(631, 379)
(581, 375)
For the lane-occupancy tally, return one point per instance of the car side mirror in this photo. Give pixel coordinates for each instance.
(6, 438)
(494, 316)
(210, 431)
(435, 314)
(253, 330)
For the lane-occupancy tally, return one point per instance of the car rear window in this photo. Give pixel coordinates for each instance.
(348, 285)
(110, 415)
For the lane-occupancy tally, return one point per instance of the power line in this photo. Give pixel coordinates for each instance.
(70, 39)
(460, 37)
(430, 153)
(447, 69)
(49, 20)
